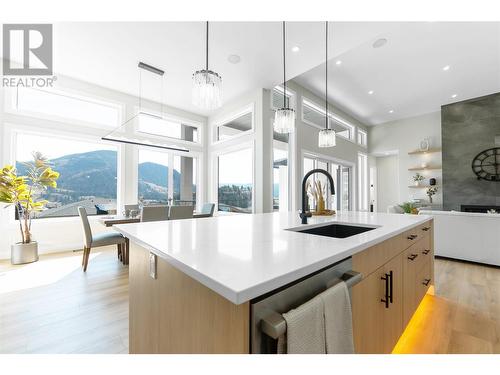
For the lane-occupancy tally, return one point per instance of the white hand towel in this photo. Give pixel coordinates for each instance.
(338, 319)
(305, 328)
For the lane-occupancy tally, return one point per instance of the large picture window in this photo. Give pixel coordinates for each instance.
(63, 106)
(164, 127)
(87, 173)
(235, 181)
(313, 114)
(152, 177)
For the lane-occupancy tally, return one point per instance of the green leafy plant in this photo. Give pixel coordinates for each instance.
(418, 177)
(408, 207)
(23, 191)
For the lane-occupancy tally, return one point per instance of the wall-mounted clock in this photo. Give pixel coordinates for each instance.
(486, 164)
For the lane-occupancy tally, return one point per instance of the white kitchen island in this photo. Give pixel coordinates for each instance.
(216, 266)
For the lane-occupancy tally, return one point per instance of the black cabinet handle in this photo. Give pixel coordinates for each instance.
(412, 237)
(426, 282)
(386, 297)
(425, 229)
(425, 252)
(413, 256)
(390, 286)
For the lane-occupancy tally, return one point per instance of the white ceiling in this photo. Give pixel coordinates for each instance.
(406, 74)
(107, 53)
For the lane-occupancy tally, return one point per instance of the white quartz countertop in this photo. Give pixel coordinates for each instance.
(245, 256)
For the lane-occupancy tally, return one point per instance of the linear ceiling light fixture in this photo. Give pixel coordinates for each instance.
(129, 136)
(326, 136)
(284, 118)
(207, 85)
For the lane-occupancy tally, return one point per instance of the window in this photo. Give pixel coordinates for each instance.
(153, 177)
(314, 115)
(166, 178)
(235, 181)
(341, 175)
(234, 127)
(277, 98)
(66, 107)
(87, 173)
(363, 181)
(362, 138)
(280, 175)
(184, 180)
(164, 127)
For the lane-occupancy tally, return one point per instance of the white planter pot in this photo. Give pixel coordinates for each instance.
(21, 253)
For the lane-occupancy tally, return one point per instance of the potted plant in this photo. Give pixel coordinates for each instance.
(23, 193)
(432, 190)
(417, 178)
(409, 208)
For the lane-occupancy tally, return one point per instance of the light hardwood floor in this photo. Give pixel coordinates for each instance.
(53, 307)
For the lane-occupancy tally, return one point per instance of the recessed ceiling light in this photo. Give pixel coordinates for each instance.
(338, 62)
(234, 59)
(295, 49)
(391, 111)
(454, 96)
(446, 67)
(379, 43)
(370, 92)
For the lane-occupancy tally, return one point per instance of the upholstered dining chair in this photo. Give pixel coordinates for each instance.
(101, 239)
(181, 212)
(154, 213)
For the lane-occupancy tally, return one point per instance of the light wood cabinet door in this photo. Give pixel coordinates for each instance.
(412, 258)
(378, 324)
(393, 315)
(367, 311)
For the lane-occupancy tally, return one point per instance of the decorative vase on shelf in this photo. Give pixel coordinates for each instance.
(417, 183)
(432, 181)
(430, 199)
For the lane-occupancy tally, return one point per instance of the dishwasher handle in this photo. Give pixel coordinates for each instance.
(274, 325)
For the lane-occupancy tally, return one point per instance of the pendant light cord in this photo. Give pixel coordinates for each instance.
(284, 68)
(326, 76)
(206, 62)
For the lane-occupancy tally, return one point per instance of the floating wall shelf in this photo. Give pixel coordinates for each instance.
(424, 169)
(429, 151)
(419, 186)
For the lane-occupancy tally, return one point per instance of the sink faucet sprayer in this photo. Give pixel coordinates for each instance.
(303, 214)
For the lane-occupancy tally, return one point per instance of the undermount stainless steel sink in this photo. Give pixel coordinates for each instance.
(334, 230)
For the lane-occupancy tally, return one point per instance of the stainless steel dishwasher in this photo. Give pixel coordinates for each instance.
(267, 323)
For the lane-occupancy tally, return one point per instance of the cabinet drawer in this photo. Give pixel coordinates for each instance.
(414, 235)
(376, 256)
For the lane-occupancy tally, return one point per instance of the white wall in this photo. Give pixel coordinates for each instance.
(59, 234)
(402, 136)
(306, 139)
(387, 182)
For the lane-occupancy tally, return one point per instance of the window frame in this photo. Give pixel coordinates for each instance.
(290, 94)
(363, 182)
(10, 107)
(198, 156)
(173, 118)
(214, 126)
(332, 116)
(215, 170)
(11, 133)
(365, 135)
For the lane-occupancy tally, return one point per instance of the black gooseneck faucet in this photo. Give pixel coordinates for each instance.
(304, 214)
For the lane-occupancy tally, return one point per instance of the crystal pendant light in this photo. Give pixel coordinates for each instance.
(326, 137)
(207, 86)
(284, 118)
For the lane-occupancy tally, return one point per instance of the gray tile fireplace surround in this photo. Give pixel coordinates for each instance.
(468, 128)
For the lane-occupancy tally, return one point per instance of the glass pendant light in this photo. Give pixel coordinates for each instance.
(326, 136)
(207, 86)
(284, 118)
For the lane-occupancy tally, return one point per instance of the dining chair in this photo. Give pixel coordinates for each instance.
(101, 239)
(181, 212)
(207, 210)
(130, 207)
(154, 213)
